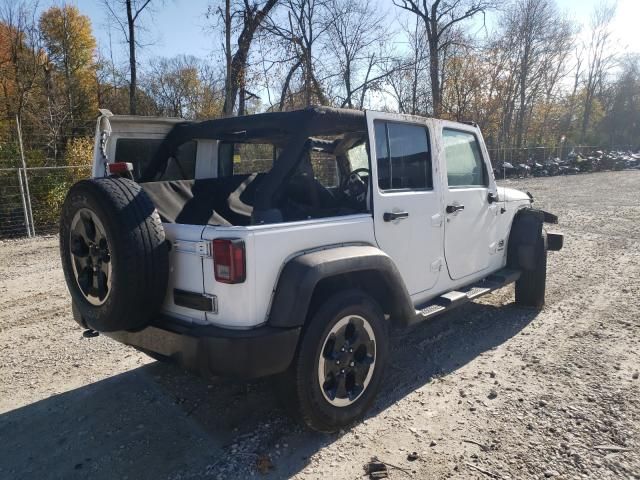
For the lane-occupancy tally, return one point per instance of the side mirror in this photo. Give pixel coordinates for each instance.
(492, 197)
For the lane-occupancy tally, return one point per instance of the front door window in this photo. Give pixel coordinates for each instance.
(465, 167)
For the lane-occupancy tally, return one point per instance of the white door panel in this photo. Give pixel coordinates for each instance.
(407, 207)
(471, 220)
(469, 232)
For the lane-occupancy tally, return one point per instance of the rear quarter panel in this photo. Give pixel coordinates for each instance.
(268, 248)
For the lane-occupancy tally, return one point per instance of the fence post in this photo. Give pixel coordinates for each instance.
(26, 179)
(24, 204)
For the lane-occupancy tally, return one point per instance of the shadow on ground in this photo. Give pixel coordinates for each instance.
(158, 422)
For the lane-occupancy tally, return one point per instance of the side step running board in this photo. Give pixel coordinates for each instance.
(455, 298)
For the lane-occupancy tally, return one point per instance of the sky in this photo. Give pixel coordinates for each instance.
(178, 27)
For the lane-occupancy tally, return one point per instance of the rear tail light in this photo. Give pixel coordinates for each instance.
(229, 260)
(120, 167)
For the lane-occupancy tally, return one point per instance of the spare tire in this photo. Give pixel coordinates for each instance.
(114, 254)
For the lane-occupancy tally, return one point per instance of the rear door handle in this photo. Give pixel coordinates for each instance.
(391, 216)
(454, 208)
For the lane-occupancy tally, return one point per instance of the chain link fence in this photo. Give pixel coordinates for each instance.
(36, 171)
(32, 197)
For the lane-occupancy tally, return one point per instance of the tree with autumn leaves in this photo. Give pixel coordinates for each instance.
(47, 73)
(70, 66)
(53, 78)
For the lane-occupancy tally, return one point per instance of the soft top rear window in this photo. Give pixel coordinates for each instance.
(140, 151)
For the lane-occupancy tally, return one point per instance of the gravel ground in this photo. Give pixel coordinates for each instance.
(487, 391)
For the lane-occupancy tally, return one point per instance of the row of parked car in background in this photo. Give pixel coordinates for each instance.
(574, 163)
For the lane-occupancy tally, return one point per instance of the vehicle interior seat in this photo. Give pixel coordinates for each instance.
(210, 201)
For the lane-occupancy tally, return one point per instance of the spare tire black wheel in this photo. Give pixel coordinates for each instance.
(114, 254)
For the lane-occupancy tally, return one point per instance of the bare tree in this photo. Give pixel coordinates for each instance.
(622, 122)
(571, 100)
(247, 17)
(438, 17)
(356, 36)
(599, 59)
(532, 45)
(300, 28)
(129, 25)
(408, 78)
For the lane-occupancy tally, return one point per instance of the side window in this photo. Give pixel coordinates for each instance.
(243, 158)
(325, 169)
(404, 158)
(465, 166)
(358, 157)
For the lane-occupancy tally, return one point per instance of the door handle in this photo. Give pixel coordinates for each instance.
(454, 208)
(391, 216)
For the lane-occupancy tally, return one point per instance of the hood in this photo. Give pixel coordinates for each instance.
(512, 195)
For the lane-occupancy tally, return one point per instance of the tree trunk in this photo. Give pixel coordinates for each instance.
(241, 102)
(236, 69)
(524, 74)
(434, 64)
(132, 60)
(434, 74)
(287, 81)
(588, 102)
(227, 108)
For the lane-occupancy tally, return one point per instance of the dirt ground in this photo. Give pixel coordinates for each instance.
(487, 391)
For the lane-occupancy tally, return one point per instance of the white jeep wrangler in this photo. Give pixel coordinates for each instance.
(290, 243)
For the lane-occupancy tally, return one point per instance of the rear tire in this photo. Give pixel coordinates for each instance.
(530, 287)
(114, 254)
(329, 387)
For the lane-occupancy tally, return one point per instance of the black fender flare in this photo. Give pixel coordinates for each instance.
(526, 229)
(302, 274)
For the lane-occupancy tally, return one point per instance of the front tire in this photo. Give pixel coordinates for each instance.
(340, 362)
(530, 287)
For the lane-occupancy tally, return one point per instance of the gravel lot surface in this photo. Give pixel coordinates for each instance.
(487, 391)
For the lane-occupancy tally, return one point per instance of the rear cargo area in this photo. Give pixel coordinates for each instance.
(210, 201)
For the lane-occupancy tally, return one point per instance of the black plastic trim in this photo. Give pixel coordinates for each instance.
(549, 217)
(555, 241)
(211, 350)
(193, 300)
(300, 276)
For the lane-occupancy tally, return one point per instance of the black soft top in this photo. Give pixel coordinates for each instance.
(289, 130)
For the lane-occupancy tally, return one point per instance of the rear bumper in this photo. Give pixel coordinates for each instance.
(211, 350)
